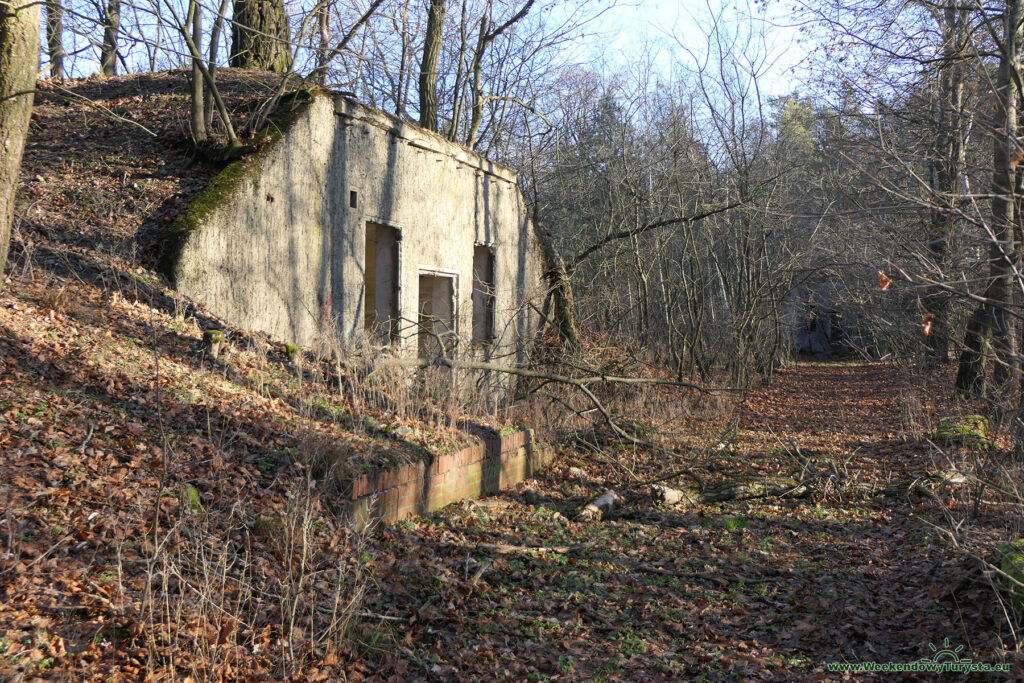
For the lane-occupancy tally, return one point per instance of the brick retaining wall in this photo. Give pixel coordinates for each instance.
(494, 463)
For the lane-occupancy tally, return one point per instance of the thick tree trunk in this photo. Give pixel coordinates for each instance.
(19, 61)
(54, 43)
(429, 64)
(970, 377)
(563, 313)
(260, 36)
(111, 27)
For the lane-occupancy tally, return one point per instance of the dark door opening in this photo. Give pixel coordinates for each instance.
(381, 283)
(483, 295)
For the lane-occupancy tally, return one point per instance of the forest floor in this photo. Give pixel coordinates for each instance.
(161, 517)
(757, 589)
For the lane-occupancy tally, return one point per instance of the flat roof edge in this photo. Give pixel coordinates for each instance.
(348, 108)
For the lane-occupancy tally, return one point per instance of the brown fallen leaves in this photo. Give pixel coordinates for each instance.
(112, 568)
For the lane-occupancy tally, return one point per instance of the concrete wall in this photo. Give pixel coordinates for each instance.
(275, 244)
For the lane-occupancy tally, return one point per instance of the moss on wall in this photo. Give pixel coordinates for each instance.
(226, 184)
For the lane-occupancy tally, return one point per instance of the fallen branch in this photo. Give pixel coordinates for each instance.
(541, 374)
(581, 383)
(481, 570)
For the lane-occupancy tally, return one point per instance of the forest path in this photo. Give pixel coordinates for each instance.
(867, 415)
(771, 589)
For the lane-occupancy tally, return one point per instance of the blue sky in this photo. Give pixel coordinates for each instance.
(674, 30)
(677, 30)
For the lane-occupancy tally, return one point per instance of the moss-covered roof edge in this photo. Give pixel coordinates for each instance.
(222, 188)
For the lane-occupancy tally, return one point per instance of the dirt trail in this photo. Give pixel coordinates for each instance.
(762, 589)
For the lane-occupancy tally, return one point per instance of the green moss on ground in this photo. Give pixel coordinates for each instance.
(970, 431)
(193, 502)
(1011, 563)
(211, 337)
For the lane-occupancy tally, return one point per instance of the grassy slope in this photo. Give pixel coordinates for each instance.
(158, 520)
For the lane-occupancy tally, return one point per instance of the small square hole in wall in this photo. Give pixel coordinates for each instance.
(353, 199)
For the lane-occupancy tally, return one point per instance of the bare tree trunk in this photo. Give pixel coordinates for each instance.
(404, 66)
(19, 60)
(950, 164)
(183, 26)
(324, 49)
(1005, 150)
(215, 34)
(154, 48)
(324, 54)
(428, 67)
(459, 86)
(111, 27)
(54, 32)
(970, 376)
(260, 36)
(991, 317)
(477, 114)
(199, 128)
(486, 37)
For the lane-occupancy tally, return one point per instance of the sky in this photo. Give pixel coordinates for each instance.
(675, 30)
(678, 29)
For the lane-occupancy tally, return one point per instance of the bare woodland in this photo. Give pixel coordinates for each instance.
(719, 263)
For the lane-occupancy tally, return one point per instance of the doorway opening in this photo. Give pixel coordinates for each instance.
(483, 294)
(381, 283)
(437, 311)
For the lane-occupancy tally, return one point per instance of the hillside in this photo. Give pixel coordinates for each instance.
(172, 516)
(115, 422)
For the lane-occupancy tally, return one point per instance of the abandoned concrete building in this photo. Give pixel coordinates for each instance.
(354, 221)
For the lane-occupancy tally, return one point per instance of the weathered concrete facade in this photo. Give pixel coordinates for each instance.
(354, 219)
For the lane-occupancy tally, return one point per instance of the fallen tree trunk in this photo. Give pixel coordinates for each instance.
(747, 488)
(599, 507)
(743, 488)
(671, 496)
(922, 485)
(755, 487)
(506, 549)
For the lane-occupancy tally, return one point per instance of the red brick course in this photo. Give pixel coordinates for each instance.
(495, 463)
